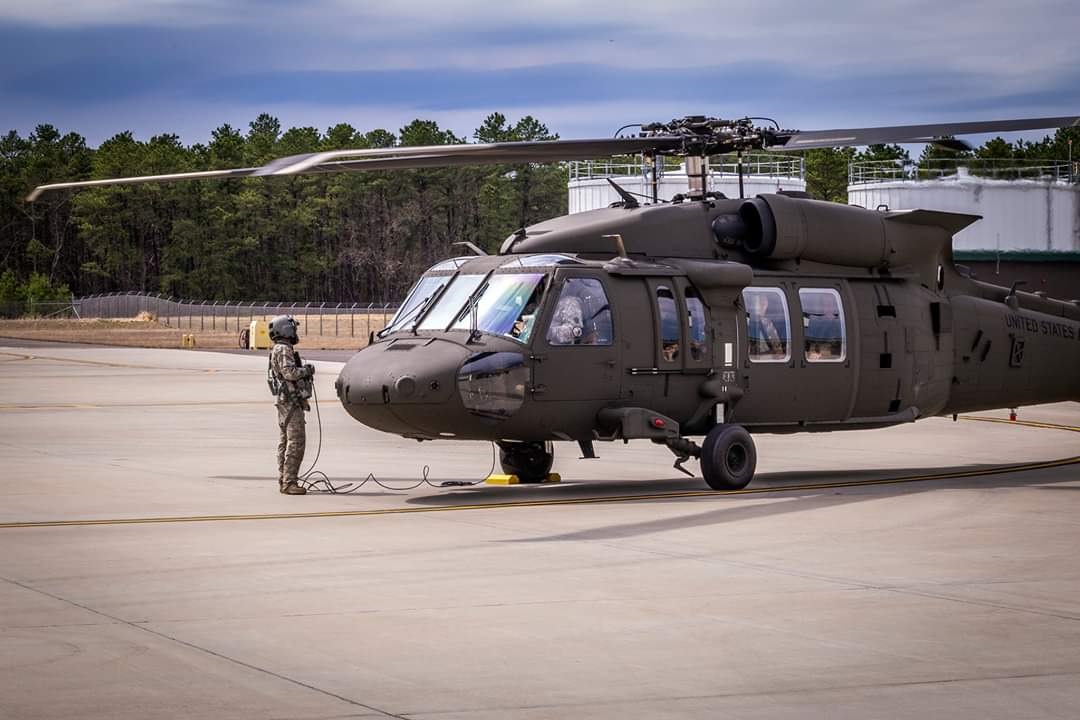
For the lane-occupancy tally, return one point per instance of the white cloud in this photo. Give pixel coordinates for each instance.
(998, 36)
(964, 52)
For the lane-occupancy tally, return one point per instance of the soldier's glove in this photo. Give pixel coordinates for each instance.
(309, 370)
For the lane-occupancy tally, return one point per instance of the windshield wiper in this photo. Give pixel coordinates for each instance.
(419, 312)
(471, 305)
(412, 313)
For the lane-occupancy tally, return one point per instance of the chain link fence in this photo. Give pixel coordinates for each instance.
(11, 309)
(326, 319)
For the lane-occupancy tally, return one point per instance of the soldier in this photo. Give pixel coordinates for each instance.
(568, 321)
(291, 383)
(765, 341)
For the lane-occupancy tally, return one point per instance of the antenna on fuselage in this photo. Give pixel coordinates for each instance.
(471, 246)
(1011, 299)
(628, 200)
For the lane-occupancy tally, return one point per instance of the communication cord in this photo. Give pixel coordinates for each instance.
(317, 481)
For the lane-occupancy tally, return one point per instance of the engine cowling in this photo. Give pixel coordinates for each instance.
(787, 228)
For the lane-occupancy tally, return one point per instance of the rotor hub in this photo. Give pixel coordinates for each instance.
(703, 135)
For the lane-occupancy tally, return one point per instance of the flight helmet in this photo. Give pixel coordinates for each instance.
(284, 328)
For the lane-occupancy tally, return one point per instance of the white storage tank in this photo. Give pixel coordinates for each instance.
(764, 173)
(1024, 205)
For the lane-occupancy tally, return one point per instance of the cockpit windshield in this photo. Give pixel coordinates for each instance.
(540, 260)
(504, 303)
(507, 306)
(423, 293)
(421, 296)
(449, 303)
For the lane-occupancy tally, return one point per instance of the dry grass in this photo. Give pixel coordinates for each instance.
(350, 333)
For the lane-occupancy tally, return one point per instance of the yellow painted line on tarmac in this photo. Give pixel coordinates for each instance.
(1025, 423)
(14, 407)
(999, 470)
(77, 361)
(102, 363)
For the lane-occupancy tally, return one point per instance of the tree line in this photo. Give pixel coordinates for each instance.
(827, 168)
(347, 237)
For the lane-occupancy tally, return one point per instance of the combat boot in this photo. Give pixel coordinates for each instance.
(294, 488)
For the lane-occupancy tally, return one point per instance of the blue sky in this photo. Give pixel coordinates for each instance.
(583, 68)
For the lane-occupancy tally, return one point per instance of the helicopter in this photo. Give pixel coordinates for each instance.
(703, 317)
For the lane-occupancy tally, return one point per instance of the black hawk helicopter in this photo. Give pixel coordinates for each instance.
(703, 316)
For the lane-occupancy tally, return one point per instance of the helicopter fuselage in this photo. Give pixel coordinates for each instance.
(779, 314)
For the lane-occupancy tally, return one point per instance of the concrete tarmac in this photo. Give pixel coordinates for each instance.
(150, 568)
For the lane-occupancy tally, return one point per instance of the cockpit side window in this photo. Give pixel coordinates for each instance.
(768, 329)
(582, 315)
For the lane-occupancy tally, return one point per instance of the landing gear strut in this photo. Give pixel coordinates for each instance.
(728, 457)
(530, 461)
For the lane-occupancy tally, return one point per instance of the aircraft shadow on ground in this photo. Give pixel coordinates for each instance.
(833, 479)
(748, 507)
(835, 487)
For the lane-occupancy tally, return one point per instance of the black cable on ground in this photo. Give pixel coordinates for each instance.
(317, 481)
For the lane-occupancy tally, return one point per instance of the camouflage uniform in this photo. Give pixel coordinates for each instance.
(291, 407)
(766, 341)
(568, 322)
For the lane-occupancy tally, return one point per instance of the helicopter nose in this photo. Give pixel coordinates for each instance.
(405, 386)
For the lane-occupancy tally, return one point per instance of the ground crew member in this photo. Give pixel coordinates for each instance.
(290, 381)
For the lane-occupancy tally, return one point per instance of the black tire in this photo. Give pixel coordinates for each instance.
(245, 337)
(530, 461)
(728, 458)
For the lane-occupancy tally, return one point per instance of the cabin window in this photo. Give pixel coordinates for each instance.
(695, 324)
(768, 331)
(824, 336)
(582, 315)
(668, 312)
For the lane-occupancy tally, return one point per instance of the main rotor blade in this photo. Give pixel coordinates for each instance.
(172, 177)
(913, 133)
(539, 151)
(719, 137)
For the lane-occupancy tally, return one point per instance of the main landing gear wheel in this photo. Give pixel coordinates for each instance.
(728, 458)
(530, 461)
